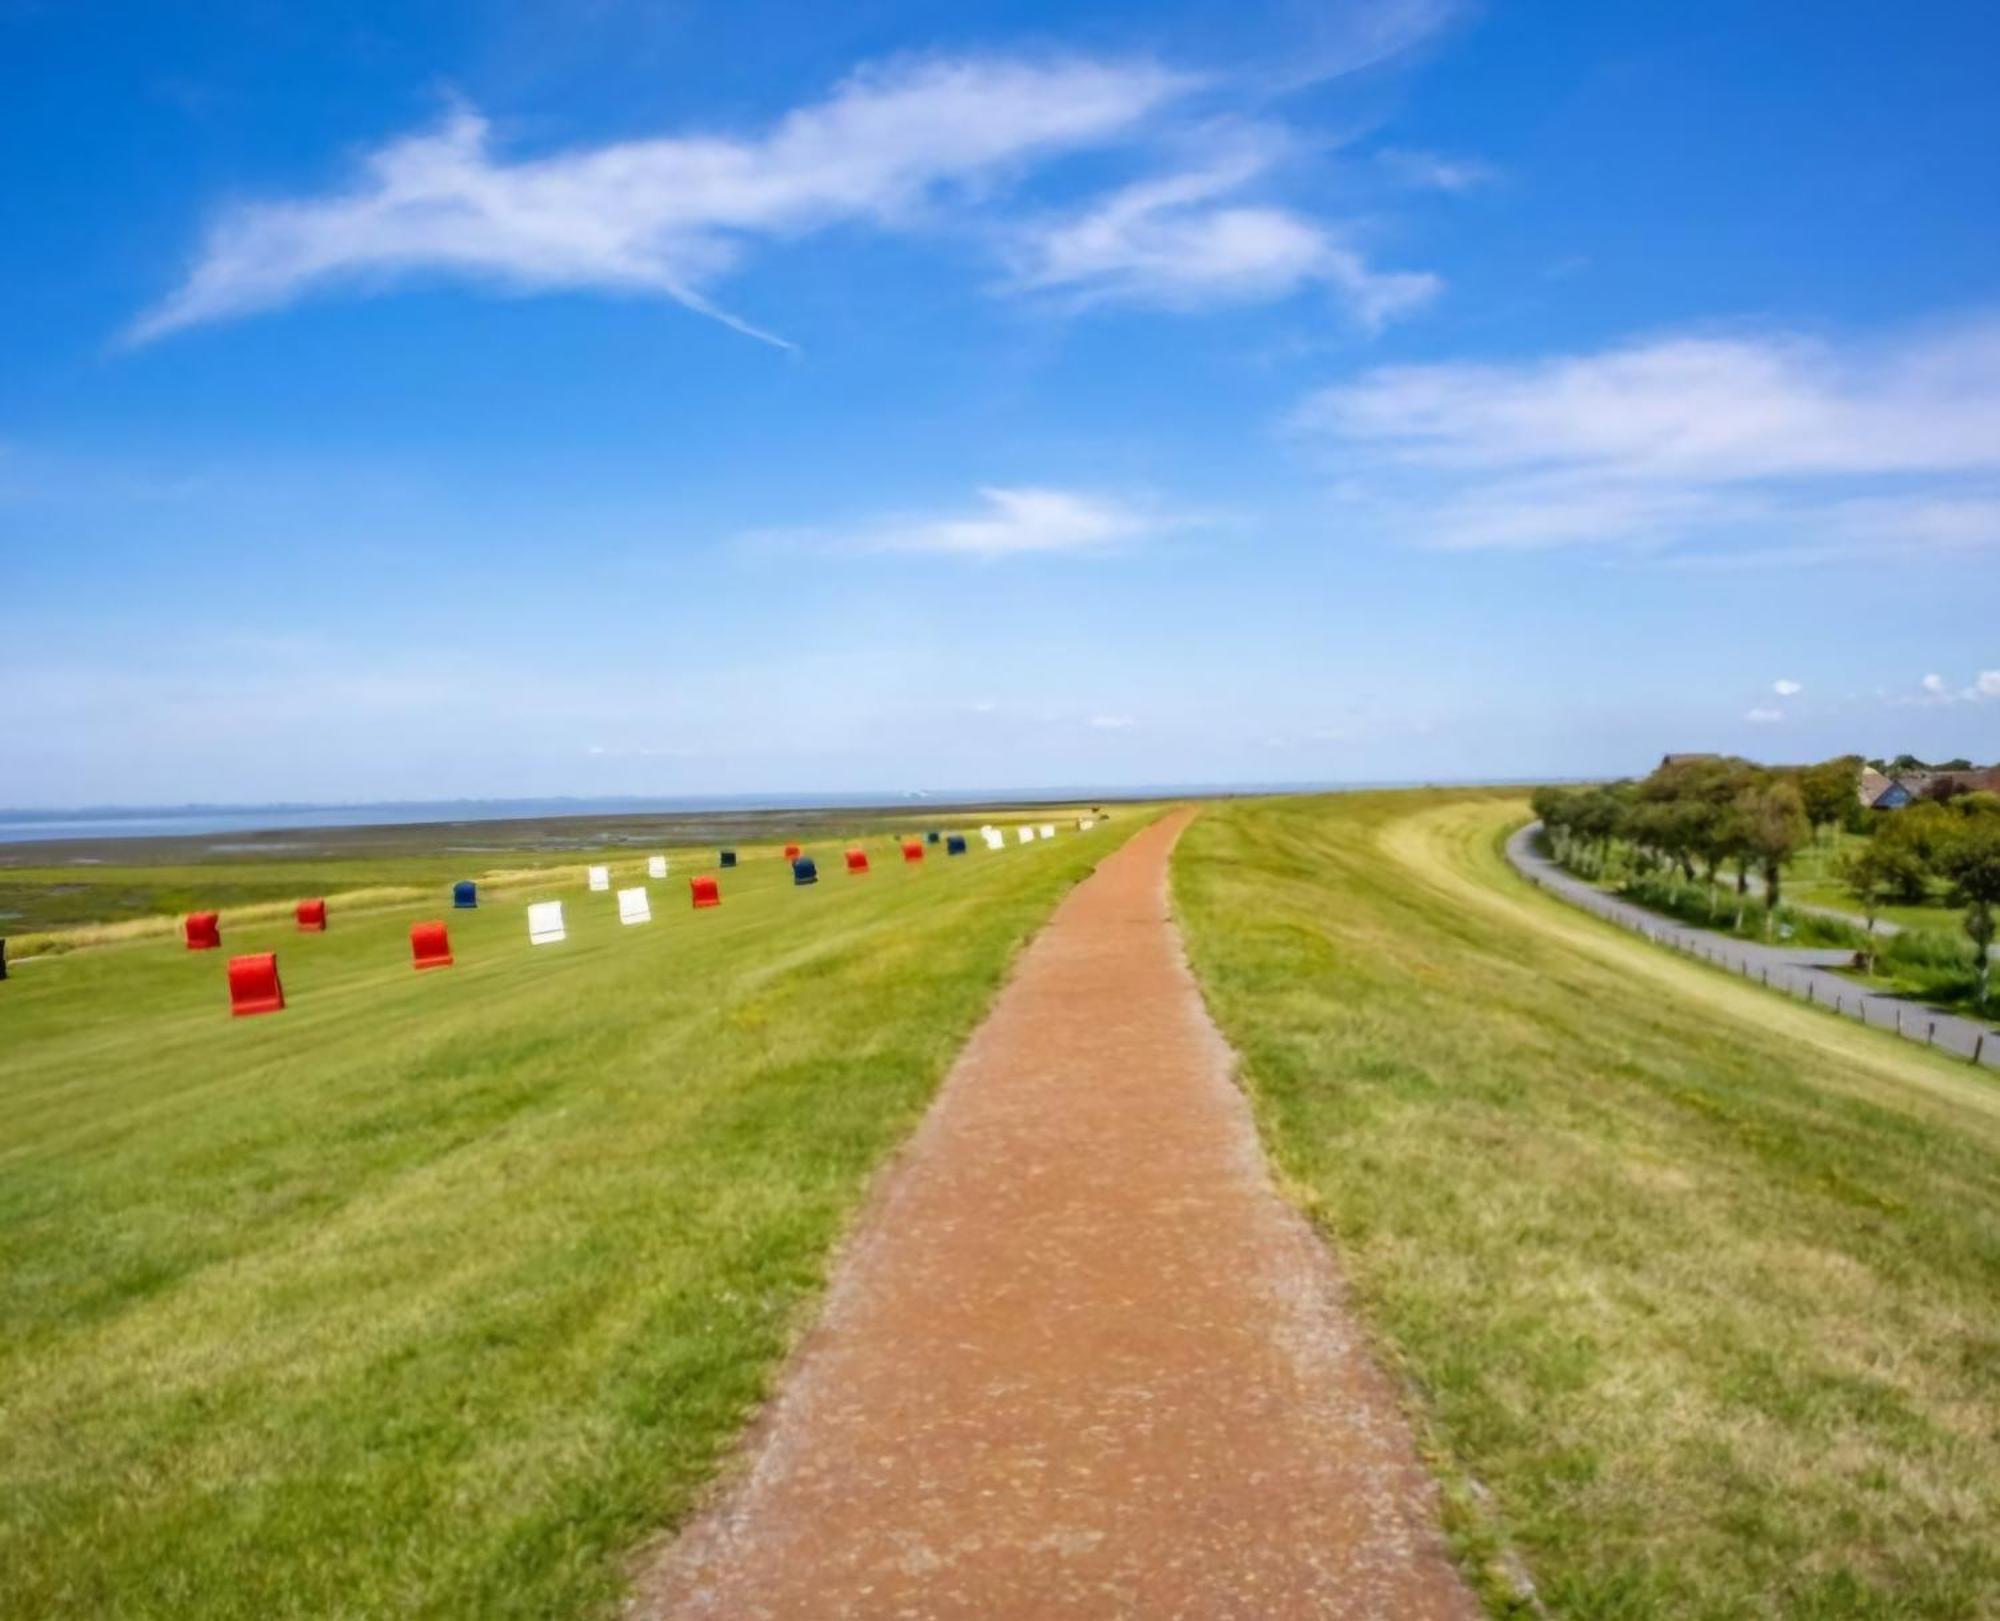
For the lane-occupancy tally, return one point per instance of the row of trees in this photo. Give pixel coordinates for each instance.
(1957, 842)
(1702, 815)
(1709, 814)
(1905, 764)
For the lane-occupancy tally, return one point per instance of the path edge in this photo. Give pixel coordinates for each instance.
(1464, 1511)
(739, 1458)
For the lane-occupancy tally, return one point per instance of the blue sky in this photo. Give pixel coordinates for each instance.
(435, 400)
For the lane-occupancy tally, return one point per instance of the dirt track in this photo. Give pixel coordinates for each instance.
(1081, 1360)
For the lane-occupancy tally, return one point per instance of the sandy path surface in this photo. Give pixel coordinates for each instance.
(1081, 1359)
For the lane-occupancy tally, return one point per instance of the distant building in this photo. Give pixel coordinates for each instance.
(1883, 792)
(1979, 780)
(1667, 760)
(1893, 793)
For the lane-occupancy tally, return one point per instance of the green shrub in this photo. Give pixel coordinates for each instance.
(1694, 903)
(1930, 949)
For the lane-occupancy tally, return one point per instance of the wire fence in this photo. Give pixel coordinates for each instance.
(1794, 973)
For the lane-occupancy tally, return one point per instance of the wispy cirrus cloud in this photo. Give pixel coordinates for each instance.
(1435, 172)
(914, 143)
(666, 216)
(1352, 38)
(1017, 522)
(1760, 448)
(1192, 238)
(1007, 521)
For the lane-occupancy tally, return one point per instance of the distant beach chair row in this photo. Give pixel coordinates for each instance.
(255, 986)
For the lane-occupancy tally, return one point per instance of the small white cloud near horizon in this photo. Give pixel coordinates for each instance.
(1010, 521)
(1787, 689)
(1747, 448)
(1110, 723)
(1935, 689)
(1764, 715)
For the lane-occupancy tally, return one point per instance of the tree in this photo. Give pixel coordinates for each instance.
(1870, 874)
(1913, 838)
(1694, 800)
(1593, 817)
(1970, 858)
(1554, 808)
(1733, 840)
(1774, 830)
(1667, 828)
(1896, 865)
(1830, 789)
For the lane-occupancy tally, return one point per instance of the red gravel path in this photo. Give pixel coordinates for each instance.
(1081, 1360)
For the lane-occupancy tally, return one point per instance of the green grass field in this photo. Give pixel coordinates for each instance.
(38, 900)
(1811, 879)
(436, 1294)
(1696, 1291)
(441, 1294)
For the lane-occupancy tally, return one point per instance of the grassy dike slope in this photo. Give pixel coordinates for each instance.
(1697, 1292)
(435, 1293)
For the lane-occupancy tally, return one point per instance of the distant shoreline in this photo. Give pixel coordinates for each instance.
(207, 821)
(204, 832)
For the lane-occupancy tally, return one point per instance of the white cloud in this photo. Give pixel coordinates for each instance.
(909, 144)
(1326, 41)
(1188, 239)
(1777, 447)
(1787, 689)
(1015, 522)
(1435, 172)
(1935, 689)
(1763, 715)
(1110, 723)
(669, 215)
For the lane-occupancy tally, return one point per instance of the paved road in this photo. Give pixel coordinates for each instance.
(1802, 973)
(1082, 1360)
